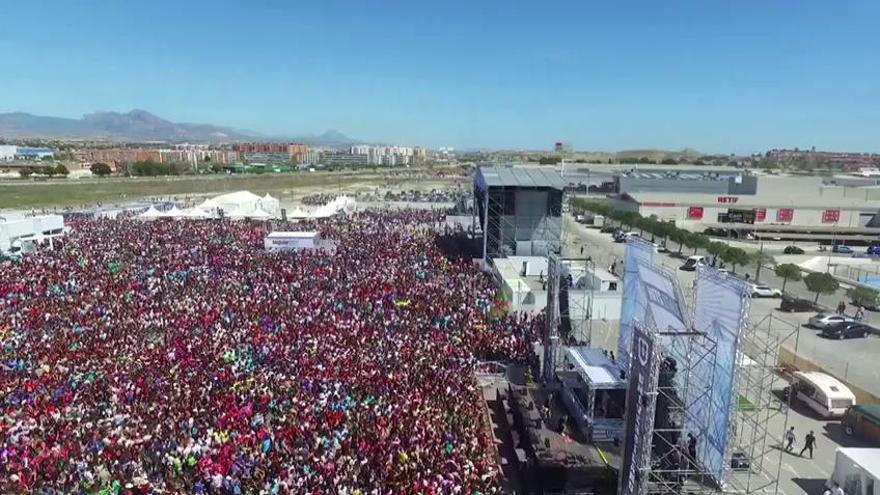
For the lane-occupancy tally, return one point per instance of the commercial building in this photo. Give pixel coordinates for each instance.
(33, 153)
(782, 207)
(687, 181)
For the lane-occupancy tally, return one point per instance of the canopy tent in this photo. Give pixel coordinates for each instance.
(257, 214)
(298, 213)
(175, 212)
(271, 205)
(342, 204)
(243, 204)
(151, 213)
(260, 214)
(195, 213)
(209, 204)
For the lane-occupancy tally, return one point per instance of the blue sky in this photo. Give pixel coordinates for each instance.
(718, 76)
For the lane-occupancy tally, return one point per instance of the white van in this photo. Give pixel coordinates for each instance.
(692, 262)
(823, 393)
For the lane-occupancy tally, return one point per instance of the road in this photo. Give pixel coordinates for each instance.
(850, 359)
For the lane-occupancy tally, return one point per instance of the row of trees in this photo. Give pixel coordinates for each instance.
(667, 231)
(48, 170)
(817, 283)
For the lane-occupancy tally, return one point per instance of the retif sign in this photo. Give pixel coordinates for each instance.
(641, 401)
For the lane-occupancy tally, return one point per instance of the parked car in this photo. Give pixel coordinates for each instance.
(794, 305)
(622, 236)
(846, 330)
(762, 290)
(823, 320)
(793, 250)
(873, 250)
(842, 248)
(864, 421)
(691, 263)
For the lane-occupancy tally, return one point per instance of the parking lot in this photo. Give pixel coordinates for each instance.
(851, 360)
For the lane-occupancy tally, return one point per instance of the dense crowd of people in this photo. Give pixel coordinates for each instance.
(176, 356)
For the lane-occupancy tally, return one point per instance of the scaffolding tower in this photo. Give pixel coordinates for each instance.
(752, 459)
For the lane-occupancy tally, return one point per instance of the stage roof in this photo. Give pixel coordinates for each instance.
(541, 177)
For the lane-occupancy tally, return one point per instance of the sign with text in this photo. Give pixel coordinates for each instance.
(695, 213)
(831, 216)
(784, 215)
(728, 199)
(641, 402)
(760, 214)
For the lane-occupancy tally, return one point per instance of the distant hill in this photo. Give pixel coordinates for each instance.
(140, 125)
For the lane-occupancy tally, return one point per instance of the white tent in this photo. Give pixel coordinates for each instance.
(257, 214)
(271, 205)
(151, 213)
(195, 213)
(209, 204)
(175, 212)
(260, 214)
(298, 213)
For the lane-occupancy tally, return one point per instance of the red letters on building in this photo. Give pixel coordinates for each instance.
(728, 199)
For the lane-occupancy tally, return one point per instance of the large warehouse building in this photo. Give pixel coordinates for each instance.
(780, 204)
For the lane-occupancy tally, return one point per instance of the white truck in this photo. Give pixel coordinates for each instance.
(857, 471)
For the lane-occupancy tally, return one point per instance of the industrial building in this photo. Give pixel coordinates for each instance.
(731, 182)
(520, 210)
(781, 208)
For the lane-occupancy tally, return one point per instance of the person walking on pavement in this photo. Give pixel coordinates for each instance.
(809, 443)
(860, 314)
(841, 307)
(789, 440)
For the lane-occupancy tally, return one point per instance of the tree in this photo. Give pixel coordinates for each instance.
(47, 170)
(100, 169)
(716, 249)
(62, 170)
(680, 237)
(863, 296)
(698, 241)
(760, 259)
(821, 283)
(735, 256)
(25, 172)
(787, 271)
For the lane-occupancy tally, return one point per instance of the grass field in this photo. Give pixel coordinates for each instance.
(17, 194)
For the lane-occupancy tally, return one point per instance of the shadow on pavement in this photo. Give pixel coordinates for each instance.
(810, 486)
(835, 433)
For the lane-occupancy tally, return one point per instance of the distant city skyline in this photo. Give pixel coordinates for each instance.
(712, 75)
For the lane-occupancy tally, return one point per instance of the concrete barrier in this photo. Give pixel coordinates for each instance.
(789, 361)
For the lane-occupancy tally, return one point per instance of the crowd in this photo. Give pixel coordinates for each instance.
(178, 357)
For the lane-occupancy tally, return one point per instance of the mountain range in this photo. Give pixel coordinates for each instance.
(140, 125)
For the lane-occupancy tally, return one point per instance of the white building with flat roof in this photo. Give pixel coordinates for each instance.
(21, 234)
(7, 152)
